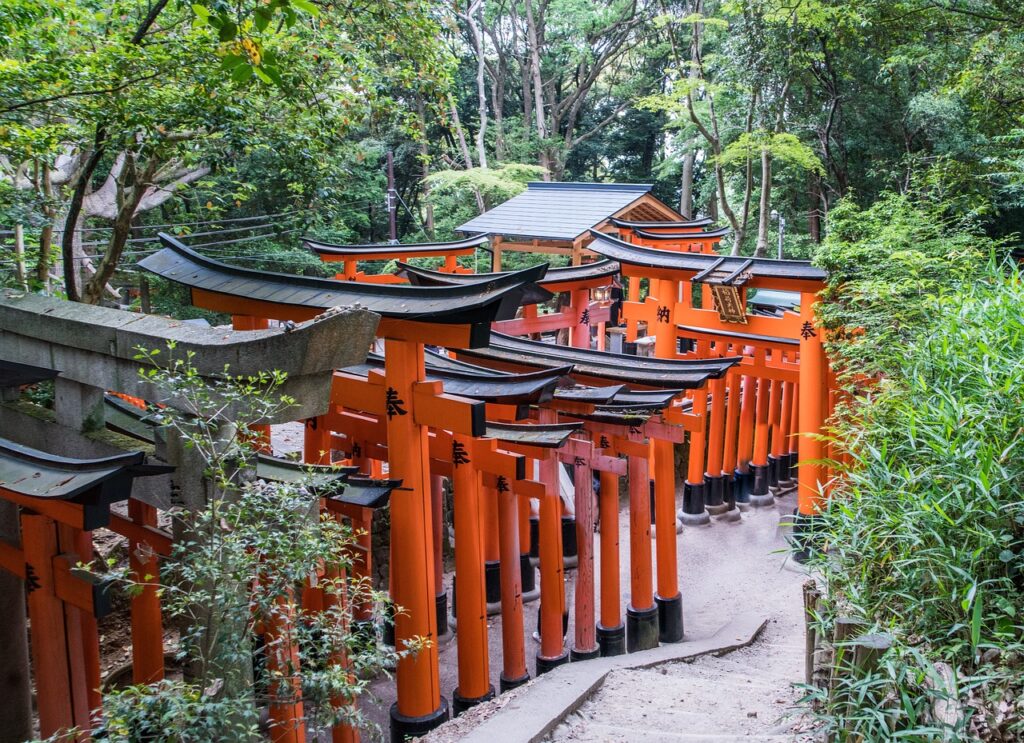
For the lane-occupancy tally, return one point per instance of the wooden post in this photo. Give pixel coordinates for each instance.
(54, 693)
(492, 548)
(437, 524)
(316, 441)
(730, 460)
(811, 597)
(513, 653)
(611, 632)
(552, 651)
(668, 598)
(714, 481)
(694, 512)
(641, 614)
(813, 390)
(420, 706)
(585, 645)
(334, 598)
(785, 433)
(745, 445)
(147, 623)
(470, 599)
(287, 722)
(759, 495)
(15, 682)
(579, 311)
(496, 241)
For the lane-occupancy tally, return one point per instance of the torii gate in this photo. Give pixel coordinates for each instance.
(590, 366)
(689, 236)
(410, 317)
(725, 279)
(351, 255)
(581, 282)
(62, 501)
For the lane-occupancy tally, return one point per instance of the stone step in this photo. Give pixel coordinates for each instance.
(620, 734)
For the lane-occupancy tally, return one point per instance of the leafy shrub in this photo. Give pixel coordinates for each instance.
(925, 530)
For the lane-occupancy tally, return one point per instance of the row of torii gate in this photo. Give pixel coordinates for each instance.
(498, 415)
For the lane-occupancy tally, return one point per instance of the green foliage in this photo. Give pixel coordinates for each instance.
(885, 263)
(783, 148)
(239, 562)
(925, 530)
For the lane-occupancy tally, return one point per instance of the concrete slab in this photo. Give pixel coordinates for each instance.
(530, 713)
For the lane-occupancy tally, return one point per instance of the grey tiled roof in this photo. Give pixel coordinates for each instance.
(560, 211)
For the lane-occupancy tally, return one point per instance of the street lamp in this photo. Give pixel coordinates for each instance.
(782, 227)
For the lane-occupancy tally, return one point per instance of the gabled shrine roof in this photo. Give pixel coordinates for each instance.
(557, 211)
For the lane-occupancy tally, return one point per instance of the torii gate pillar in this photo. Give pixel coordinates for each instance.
(813, 408)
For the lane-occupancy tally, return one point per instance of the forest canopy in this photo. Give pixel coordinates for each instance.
(118, 116)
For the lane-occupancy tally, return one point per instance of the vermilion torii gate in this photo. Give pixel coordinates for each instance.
(410, 317)
(350, 256)
(721, 313)
(579, 316)
(61, 502)
(651, 616)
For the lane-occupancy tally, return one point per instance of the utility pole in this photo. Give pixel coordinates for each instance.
(392, 201)
(775, 215)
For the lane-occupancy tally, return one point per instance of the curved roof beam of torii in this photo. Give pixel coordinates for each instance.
(658, 373)
(476, 304)
(669, 261)
(367, 251)
(596, 273)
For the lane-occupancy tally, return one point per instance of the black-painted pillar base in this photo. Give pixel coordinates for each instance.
(577, 655)
(759, 494)
(460, 703)
(670, 618)
(441, 605)
(546, 664)
(506, 684)
(405, 728)
(774, 472)
(492, 581)
(714, 495)
(641, 629)
(744, 483)
(611, 640)
(807, 538)
(693, 512)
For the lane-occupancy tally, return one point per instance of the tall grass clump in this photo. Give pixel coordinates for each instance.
(924, 534)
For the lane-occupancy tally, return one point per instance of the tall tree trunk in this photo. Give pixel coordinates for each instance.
(481, 88)
(46, 234)
(460, 133)
(428, 208)
(690, 158)
(71, 220)
(538, 88)
(813, 213)
(686, 186)
(461, 136)
(765, 204)
(132, 188)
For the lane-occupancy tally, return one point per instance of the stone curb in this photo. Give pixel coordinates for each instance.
(546, 701)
